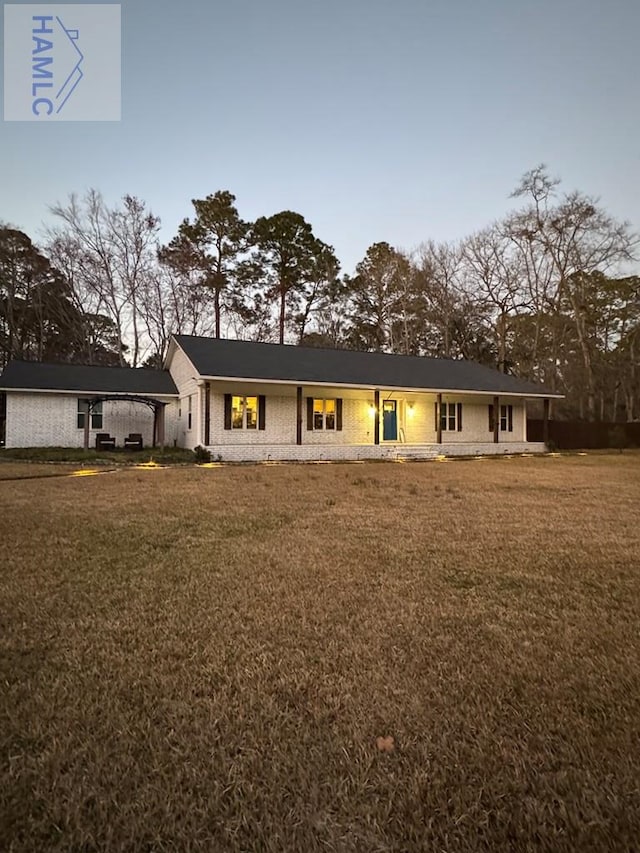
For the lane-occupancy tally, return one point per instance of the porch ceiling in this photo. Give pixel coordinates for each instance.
(248, 388)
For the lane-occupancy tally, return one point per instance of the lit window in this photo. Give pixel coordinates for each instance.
(251, 412)
(244, 412)
(237, 410)
(318, 414)
(329, 414)
(324, 414)
(96, 414)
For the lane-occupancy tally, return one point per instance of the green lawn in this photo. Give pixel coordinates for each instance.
(204, 659)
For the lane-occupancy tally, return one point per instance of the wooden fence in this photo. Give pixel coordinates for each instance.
(585, 435)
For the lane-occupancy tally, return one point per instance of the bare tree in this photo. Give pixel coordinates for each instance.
(112, 252)
(439, 269)
(494, 273)
(322, 283)
(571, 236)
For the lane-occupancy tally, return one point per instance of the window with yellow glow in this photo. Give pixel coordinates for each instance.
(329, 414)
(318, 414)
(324, 414)
(244, 412)
(251, 412)
(237, 410)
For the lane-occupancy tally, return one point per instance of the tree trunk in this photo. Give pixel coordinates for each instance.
(136, 333)
(283, 297)
(216, 308)
(586, 356)
(632, 380)
(501, 329)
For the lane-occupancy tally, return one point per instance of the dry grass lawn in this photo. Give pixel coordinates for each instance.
(203, 659)
(22, 471)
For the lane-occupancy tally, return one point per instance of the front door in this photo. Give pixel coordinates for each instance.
(390, 420)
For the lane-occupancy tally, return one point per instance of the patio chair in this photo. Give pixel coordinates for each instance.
(133, 441)
(104, 441)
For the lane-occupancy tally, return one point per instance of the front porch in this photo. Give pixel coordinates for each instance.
(364, 452)
(243, 421)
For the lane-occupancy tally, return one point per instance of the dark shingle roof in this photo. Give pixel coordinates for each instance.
(41, 376)
(308, 365)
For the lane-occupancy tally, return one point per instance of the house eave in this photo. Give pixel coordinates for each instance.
(405, 389)
(82, 391)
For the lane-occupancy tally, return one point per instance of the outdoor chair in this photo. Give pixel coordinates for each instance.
(133, 441)
(104, 441)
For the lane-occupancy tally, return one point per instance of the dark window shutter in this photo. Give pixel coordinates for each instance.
(490, 418)
(436, 414)
(227, 411)
(459, 417)
(510, 418)
(339, 413)
(262, 404)
(309, 412)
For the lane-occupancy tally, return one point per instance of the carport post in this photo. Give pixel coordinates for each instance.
(299, 414)
(207, 413)
(161, 425)
(545, 420)
(439, 419)
(87, 424)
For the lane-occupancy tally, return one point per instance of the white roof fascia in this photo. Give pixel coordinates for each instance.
(90, 393)
(314, 384)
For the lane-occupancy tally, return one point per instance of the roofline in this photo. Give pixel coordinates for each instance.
(90, 393)
(173, 343)
(414, 389)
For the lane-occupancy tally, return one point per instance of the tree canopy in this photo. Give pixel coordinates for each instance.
(547, 292)
(39, 319)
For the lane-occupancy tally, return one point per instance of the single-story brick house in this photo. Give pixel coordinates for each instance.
(248, 401)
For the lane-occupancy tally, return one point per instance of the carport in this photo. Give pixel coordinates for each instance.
(156, 406)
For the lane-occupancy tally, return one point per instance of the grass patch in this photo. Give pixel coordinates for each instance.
(12, 470)
(171, 455)
(437, 657)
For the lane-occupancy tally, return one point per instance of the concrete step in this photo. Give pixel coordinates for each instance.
(409, 454)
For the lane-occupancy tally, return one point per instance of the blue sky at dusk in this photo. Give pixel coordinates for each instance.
(399, 121)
